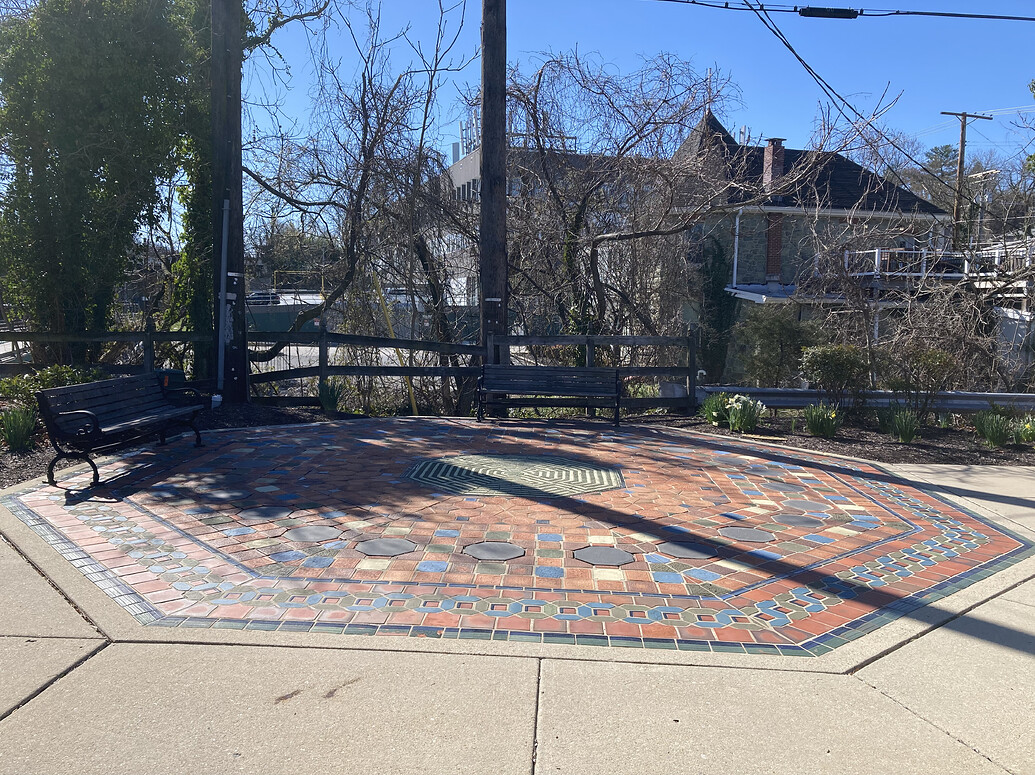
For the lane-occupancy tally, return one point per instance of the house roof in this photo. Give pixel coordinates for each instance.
(822, 179)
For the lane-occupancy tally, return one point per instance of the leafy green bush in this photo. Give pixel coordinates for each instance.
(1024, 430)
(904, 425)
(839, 370)
(744, 413)
(773, 336)
(994, 427)
(17, 427)
(714, 408)
(823, 420)
(21, 389)
(332, 394)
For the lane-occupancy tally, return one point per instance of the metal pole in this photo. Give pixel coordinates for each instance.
(221, 321)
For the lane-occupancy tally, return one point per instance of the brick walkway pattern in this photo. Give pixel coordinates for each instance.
(574, 533)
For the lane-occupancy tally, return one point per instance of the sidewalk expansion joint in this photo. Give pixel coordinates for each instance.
(74, 666)
(969, 609)
(39, 571)
(535, 714)
(944, 731)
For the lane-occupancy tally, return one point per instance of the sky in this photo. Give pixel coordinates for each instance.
(930, 64)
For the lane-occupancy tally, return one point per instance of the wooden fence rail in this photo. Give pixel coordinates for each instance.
(684, 376)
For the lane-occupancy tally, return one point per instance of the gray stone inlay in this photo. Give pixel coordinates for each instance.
(385, 547)
(264, 513)
(223, 495)
(797, 520)
(494, 550)
(782, 487)
(747, 534)
(603, 555)
(806, 505)
(686, 551)
(526, 476)
(312, 534)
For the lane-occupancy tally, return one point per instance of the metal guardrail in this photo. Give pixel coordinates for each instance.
(946, 401)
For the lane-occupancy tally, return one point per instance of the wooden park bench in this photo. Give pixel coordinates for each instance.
(503, 386)
(102, 416)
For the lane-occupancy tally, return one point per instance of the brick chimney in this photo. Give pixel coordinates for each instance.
(772, 168)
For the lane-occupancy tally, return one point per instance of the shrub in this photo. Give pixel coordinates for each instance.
(773, 336)
(714, 409)
(839, 370)
(21, 389)
(994, 427)
(823, 420)
(744, 413)
(18, 426)
(331, 394)
(1024, 430)
(904, 425)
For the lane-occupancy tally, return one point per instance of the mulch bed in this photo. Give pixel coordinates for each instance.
(935, 445)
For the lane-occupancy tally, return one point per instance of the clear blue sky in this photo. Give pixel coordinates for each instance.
(936, 64)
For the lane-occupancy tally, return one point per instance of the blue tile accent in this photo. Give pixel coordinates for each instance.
(553, 537)
(702, 574)
(432, 566)
(818, 539)
(668, 578)
(287, 556)
(549, 572)
(238, 531)
(447, 533)
(318, 562)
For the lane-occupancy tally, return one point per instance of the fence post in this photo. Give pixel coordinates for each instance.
(591, 360)
(691, 380)
(149, 345)
(323, 353)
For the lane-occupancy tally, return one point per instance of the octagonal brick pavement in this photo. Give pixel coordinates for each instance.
(736, 547)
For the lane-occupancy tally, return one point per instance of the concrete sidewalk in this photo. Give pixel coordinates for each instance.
(92, 691)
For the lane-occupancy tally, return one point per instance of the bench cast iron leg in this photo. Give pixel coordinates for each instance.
(71, 456)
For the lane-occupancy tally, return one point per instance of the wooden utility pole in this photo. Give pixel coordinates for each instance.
(957, 206)
(493, 225)
(228, 203)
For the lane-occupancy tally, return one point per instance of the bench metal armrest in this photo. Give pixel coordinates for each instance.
(181, 393)
(69, 423)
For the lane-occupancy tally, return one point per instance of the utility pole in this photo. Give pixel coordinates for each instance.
(227, 202)
(492, 263)
(957, 206)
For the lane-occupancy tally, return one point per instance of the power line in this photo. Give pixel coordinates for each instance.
(834, 96)
(809, 11)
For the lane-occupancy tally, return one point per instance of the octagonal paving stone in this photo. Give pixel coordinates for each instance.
(603, 555)
(385, 547)
(848, 547)
(494, 550)
(750, 534)
(313, 534)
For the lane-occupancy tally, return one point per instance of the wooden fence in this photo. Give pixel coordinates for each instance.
(678, 380)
